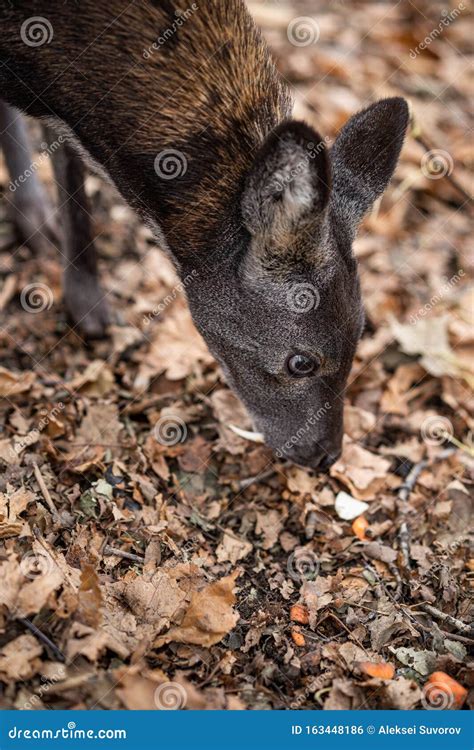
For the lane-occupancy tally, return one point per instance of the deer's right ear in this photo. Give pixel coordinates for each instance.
(288, 185)
(364, 157)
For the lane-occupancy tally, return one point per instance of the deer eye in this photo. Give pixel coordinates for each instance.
(301, 366)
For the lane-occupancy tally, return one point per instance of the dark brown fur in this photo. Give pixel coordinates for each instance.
(211, 90)
(263, 215)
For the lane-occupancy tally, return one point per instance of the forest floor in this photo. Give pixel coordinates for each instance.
(142, 568)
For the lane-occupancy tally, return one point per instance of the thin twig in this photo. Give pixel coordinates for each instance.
(351, 636)
(45, 492)
(43, 638)
(403, 495)
(108, 550)
(467, 630)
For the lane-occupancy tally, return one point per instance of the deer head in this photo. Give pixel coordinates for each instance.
(284, 314)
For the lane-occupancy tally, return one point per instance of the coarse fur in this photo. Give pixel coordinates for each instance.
(259, 214)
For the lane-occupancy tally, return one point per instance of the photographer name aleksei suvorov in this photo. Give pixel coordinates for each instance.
(422, 729)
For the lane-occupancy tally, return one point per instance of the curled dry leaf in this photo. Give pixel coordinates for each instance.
(232, 549)
(19, 658)
(209, 617)
(363, 472)
(11, 383)
(89, 597)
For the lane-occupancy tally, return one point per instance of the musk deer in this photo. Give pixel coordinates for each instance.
(182, 108)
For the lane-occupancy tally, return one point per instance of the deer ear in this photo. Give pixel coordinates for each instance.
(364, 157)
(288, 185)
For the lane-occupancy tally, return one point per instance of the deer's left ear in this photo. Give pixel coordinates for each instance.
(288, 185)
(364, 157)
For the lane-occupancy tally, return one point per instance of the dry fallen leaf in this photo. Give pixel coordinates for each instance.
(19, 658)
(364, 473)
(231, 548)
(11, 383)
(209, 617)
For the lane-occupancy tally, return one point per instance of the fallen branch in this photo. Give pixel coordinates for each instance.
(58, 654)
(108, 550)
(467, 630)
(45, 492)
(404, 492)
(403, 495)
